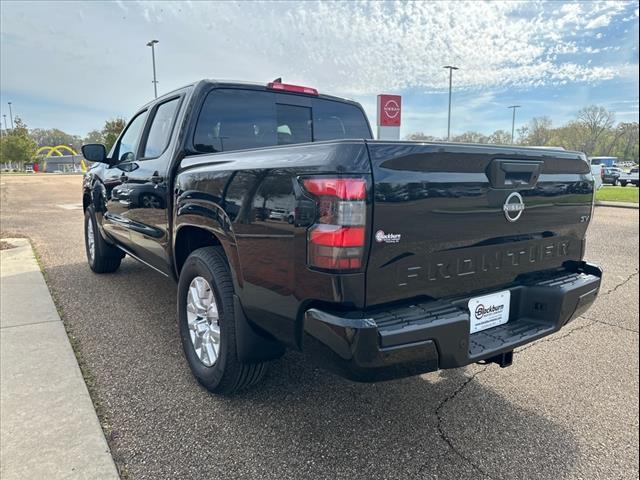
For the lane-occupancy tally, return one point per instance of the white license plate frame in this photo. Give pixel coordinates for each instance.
(488, 311)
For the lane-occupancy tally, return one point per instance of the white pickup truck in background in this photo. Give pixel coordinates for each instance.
(628, 177)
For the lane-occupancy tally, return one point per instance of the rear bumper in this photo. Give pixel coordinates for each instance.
(423, 337)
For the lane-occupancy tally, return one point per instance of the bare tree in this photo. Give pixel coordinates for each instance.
(421, 137)
(538, 132)
(500, 137)
(471, 137)
(596, 121)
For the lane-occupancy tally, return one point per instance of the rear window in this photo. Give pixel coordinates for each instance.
(234, 119)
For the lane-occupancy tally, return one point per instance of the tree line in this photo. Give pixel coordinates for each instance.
(20, 144)
(594, 131)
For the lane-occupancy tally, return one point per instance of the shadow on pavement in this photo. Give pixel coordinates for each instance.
(300, 422)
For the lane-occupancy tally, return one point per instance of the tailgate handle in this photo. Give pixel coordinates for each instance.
(514, 173)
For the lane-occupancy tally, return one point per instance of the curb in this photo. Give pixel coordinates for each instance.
(617, 204)
(48, 425)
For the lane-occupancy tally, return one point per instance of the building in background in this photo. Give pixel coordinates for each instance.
(63, 164)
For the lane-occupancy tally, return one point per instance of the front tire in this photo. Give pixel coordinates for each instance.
(102, 257)
(206, 319)
(623, 183)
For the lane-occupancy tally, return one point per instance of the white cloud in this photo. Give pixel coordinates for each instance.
(345, 48)
(598, 22)
(360, 48)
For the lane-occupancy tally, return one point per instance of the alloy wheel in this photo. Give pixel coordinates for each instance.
(202, 319)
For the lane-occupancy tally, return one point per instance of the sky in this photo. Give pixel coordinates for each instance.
(72, 65)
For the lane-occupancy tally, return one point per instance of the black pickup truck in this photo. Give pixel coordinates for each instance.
(287, 226)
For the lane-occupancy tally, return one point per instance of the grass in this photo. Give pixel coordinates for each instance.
(618, 194)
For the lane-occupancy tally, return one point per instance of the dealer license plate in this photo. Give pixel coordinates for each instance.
(489, 310)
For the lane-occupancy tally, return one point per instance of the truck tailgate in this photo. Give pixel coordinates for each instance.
(449, 219)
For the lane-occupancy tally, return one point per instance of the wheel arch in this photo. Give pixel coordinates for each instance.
(189, 236)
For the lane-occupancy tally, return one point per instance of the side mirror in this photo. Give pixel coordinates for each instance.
(95, 152)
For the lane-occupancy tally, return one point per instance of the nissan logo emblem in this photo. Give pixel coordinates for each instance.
(392, 109)
(513, 207)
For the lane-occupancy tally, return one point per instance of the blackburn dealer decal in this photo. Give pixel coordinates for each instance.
(387, 237)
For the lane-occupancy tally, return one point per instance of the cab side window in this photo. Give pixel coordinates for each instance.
(160, 131)
(126, 149)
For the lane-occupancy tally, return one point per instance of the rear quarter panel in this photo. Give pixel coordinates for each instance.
(240, 197)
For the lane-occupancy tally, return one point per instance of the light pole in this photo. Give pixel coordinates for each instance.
(513, 120)
(152, 44)
(451, 69)
(4, 115)
(10, 115)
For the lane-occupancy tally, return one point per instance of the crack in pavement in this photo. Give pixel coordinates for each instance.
(627, 329)
(458, 391)
(626, 280)
(444, 436)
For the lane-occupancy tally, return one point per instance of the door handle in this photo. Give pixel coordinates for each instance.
(155, 178)
(504, 173)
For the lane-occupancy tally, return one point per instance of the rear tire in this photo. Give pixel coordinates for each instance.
(102, 257)
(225, 374)
(623, 183)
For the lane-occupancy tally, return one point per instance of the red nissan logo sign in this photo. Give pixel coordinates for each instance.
(389, 110)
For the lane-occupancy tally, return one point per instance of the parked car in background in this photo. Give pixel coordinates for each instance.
(629, 177)
(610, 175)
(625, 164)
(278, 214)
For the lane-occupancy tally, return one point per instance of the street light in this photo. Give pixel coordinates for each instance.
(153, 59)
(451, 69)
(4, 115)
(10, 115)
(513, 121)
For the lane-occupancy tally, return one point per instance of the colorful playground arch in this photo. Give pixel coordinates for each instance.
(57, 150)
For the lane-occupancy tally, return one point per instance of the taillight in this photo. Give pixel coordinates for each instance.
(337, 240)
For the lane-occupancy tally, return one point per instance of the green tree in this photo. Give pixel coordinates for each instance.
(51, 137)
(16, 145)
(111, 130)
(571, 136)
(625, 144)
(94, 136)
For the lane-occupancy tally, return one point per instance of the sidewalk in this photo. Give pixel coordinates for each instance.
(48, 427)
(617, 204)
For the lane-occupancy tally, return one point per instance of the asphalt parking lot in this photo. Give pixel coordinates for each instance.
(567, 408)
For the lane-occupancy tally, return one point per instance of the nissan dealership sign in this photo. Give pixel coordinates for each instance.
(389, 117)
